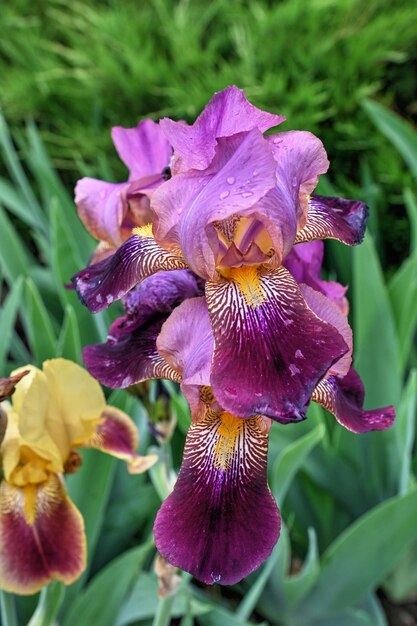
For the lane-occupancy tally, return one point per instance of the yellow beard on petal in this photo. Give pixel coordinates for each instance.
(248, 280)
(143, 231)
(29, 503)
(228, 432)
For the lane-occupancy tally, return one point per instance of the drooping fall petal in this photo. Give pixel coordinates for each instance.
(41, 537)
(344, 398)
(117, 435)
(270, 350)
(129, 354)
(139, 257)
(221, 521)
(334, 218)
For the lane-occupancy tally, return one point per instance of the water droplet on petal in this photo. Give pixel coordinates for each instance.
(247, 194)
(255, 173)
(224, 194)
(231, 180)
(277, 140)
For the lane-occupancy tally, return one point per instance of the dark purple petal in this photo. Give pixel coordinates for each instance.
(227, 113)
(329, 312)
(128, 357)
(301, 157)
(41, 536)
(334, 218)
(270, 349)
(304, 262)
(221, 521)
(130, 353)
(144, 149)
(108, 280)
(344, 398)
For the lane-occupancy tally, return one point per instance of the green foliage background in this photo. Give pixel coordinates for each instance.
(340, 68)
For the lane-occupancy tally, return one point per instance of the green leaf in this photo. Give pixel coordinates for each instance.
(405, 430)
(403, 297)
(411, 206)
(397, 130)
(69, 342)
(15, 260)
(8, 315)
(362, 556)
(296, 587)
(39, 325)
(100, 603)
(290, 460)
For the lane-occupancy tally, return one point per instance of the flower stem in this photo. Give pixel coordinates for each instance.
(163, 611)
(8, 609)
(50, 601)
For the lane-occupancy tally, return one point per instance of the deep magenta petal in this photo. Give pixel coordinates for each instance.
(344, 398)
(334, 218)
(130, 354)
(139, 257)
(227, 114)
(221, 521)
(41, 537)
(270, 349)
(144, 149)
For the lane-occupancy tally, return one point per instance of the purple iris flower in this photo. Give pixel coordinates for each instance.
(109, 211)
(267, 336)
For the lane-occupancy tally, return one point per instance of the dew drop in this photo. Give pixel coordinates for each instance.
(231, 180)
(277, 140)
(255, 173)
(247, 194)
(224, 195)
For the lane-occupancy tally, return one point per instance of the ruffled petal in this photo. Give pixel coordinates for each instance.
(221, 521)
(334, 218)
(301, 156)
(41, 537)
(139, 257)
(101, 207)
(227, 113)
(143, 149)
(130, 353)
(344, 398)
(117, 435)
(304, 262)
(187, 205)
(270, 349)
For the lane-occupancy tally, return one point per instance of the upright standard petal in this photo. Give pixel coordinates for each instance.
(41, 537)
(101, 207)
(344, 398)
(130, 354)
(334, 218)
(227, 113)
(188, 206)
(300, 156)
(221, 521)
(139, 257)
(270, 349)
(143, 149)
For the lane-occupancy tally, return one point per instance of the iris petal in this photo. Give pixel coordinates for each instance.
(344, 398)
(117, 435)
(334, 218)
(139, 257)
(41, 537)
(221, 521)
(270, 348)
(101, 207)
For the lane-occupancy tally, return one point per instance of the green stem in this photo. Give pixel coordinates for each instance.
(163, 611)
(50, 601)
(8, 609)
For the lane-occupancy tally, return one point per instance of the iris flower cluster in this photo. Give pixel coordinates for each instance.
(214, 247)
